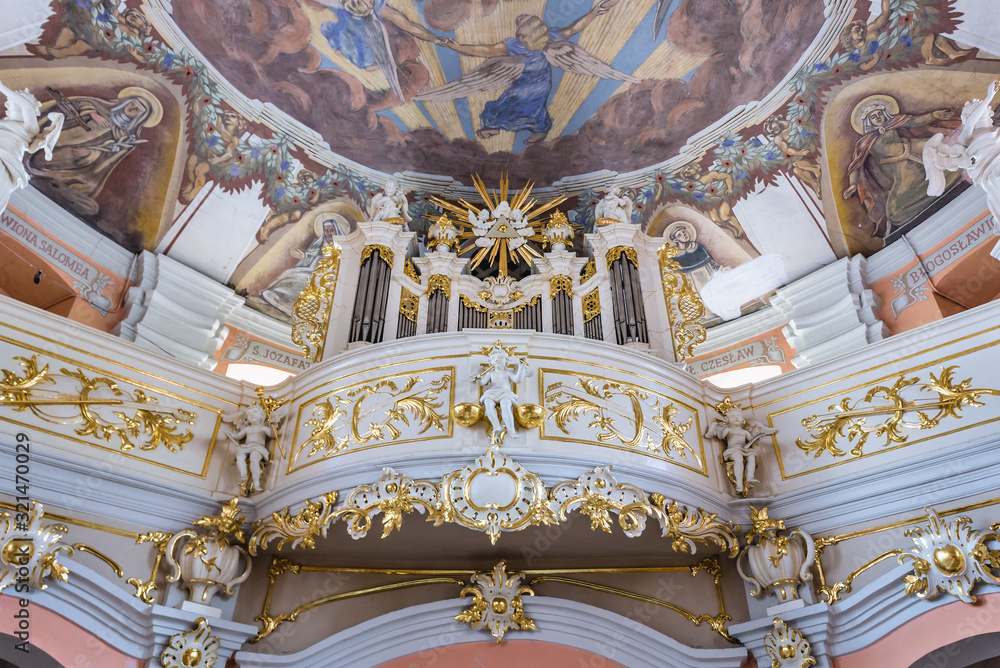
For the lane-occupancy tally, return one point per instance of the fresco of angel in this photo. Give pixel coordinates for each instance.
(522, 66)
(359, 34)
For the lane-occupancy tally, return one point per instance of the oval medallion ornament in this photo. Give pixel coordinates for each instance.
(493, 494)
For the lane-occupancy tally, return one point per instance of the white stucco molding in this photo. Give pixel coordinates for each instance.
(424, 627)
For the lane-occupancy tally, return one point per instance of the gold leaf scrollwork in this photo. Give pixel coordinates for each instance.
(849, 419)
(685, 309)
(410, 271)
(29, 549)
(408, 305)
(591, 305)
(393, 495)
(628, 252)
(589, 270)
(92, 404)
(329, 421)
(311, 312)
(439, 282)
(686, 526)
(559, 284)
(597, 398)
(144, 590)
(300, 529)
(384, 253)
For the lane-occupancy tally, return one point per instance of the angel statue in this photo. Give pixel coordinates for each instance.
(614, 207)
(499, 378)
(977, 150)
(522, 66)
(254, 427)
(20, 134)
(739, 435)
(391, 203)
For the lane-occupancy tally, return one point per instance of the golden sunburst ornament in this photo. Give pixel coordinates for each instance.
(502, 228)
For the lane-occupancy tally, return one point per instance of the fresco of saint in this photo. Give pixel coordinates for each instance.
(693, 258)
(92, 145)
(522, 66)
(886, 172)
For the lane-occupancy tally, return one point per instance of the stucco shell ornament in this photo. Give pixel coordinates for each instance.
(950, 557)
(197, 648)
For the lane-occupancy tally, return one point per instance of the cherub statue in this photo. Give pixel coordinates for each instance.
(391, 203)
(739, 435)
(254, 428)
(20, 134)
(977, 149)
(614, 206)
(500, 377)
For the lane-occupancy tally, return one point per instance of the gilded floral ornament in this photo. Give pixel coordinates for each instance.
(597, 494)
(850, 419)
(30, 547)
(778, 562)
(950, 557)
(496, 603)
(500, 291)
(787, 648)
(687, 526)
(300, 529)
(98, 404)
(311, 312)
(620, 413)
(197, 648)
(685, 310)
(387, 405)
(393, 495)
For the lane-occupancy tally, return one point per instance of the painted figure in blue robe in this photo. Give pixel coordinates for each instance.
(522, 66)
(359, 34)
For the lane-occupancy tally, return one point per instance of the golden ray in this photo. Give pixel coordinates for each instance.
(603, 38)
(666, 62)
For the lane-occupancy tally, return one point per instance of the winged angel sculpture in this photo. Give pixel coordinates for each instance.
(522, 65)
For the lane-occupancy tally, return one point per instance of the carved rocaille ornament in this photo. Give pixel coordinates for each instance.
(311, 312)
(777, 562)
(495, 494)
(787, 648)
(852, 419)
(685, 309)
(950, 557)
(28, 548)
(196, 648)
(98, 404)
(496, 603)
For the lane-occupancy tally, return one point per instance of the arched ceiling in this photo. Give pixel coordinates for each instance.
(540, 89)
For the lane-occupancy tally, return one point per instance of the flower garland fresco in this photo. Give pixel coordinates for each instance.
(786, 142)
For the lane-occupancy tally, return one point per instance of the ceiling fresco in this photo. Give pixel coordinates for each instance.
(535, 88)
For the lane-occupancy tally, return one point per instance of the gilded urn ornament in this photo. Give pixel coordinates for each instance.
(778, 563)
(208, 562)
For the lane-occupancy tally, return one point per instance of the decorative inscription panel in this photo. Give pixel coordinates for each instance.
(597, 410)
(395, 409)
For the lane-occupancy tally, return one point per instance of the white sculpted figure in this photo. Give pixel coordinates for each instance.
(740, 435)
(20, 134)
(499, 378)
(614, 206)
(977, 149)
(254, 429)
(391, 203)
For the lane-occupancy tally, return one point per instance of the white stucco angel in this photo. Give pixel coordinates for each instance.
(977, 149)
(740, 435)
(499, 377)
(614, 206)
(253, 428)
(390, 203)
(20, 134)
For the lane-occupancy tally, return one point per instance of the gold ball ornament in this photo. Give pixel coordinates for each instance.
(191, 657)
(529, 416)
(949, 559)
(18, 552)
(499, 605)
